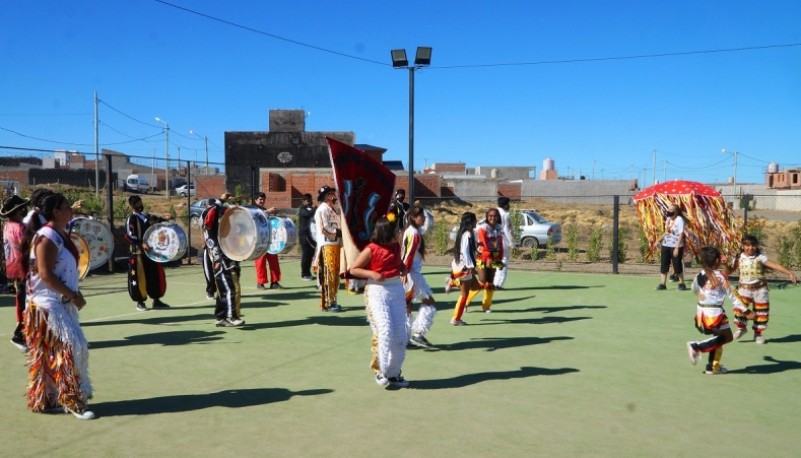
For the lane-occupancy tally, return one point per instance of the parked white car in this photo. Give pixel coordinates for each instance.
(185, 190)
(535, 231)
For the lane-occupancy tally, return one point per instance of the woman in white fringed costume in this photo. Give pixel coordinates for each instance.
(380, 263)
(58, 352)
(413, 251)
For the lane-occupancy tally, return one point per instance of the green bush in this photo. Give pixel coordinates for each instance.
(622, 247)
(439, 239)
(596, 244)
(550, 250)
(785, 255)
(796, 238)
(571, 239)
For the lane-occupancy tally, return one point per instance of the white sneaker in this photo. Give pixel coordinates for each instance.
(760, 340)
(739, 332)
(692, 353)
(419, 340)
(458, 322)
(381, 380)
(448, 284)
(83, 415)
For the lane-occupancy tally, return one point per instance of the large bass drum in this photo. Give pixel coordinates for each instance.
(166, 242)
(282, 234)
(97, 236)
(83, 254)
(244, 233)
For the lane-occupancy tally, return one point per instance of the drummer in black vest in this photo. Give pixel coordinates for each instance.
(145, 276)
(307, 242)
(226, 271)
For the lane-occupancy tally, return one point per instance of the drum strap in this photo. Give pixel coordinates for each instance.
(70, 246)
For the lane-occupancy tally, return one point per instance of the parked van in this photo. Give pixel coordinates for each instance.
(136, 183)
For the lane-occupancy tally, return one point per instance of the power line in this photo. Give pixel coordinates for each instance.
(507, 64)
(617, 58)
(271, 35)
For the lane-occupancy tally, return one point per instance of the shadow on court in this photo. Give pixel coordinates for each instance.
(189, 402)
(499, 343)
(774, 366)
(462, 381)
(168, 338)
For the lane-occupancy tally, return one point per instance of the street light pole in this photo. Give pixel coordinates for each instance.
(206, 141)
(166, 156)
(734, 177)
(411, 135)
(422, 59)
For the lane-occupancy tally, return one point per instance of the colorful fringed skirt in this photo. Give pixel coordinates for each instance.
(58, 357)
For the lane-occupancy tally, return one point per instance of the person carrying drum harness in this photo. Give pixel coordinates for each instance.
(145, 277)
(208, 271)
(226, 271)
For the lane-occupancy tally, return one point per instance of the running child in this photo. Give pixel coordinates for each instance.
(753, 288)
(413, 251)
(711, 288)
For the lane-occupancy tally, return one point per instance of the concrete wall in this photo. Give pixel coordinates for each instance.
(581, 191)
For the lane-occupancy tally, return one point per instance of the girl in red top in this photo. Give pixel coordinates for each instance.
(490, 254)
(381, 264)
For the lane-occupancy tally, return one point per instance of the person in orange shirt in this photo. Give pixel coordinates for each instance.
(489, 248)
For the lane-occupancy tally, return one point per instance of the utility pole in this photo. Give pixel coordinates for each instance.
(97, 153)
(654, 166)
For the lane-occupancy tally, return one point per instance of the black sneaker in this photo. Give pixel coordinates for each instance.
(160, 305)
(661, 287)
(336, 308)
(674, 278)
(260, 286)
(397, 382)
(141, 307)
(19, 342)
(682, 287)
(276, 285)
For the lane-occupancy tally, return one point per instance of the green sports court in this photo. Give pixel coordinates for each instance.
(567, 365)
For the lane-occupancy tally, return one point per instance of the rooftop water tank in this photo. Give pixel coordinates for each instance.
(773, 167)
(547, 164)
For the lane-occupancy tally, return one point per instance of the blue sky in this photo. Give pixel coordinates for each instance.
(511, 82)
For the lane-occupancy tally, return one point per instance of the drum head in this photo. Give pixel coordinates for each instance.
(99, 238)
(83, 254)
(282, 235)
(166, 242)
(241, 232)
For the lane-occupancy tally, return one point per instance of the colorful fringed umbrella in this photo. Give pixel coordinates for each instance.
(709, 222)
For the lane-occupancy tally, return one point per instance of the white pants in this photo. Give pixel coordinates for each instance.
(500, 274)
(388, 321)
(422, 323)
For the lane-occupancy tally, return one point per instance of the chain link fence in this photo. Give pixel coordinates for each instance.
(597, 233)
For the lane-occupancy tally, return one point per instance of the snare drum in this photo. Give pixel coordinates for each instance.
(97, 236)
(282, 234)
(166, 242)
(83, 254)
(244, 233)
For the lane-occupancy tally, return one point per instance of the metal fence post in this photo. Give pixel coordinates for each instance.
(110, 210)
(189, 187)
(615, 231)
